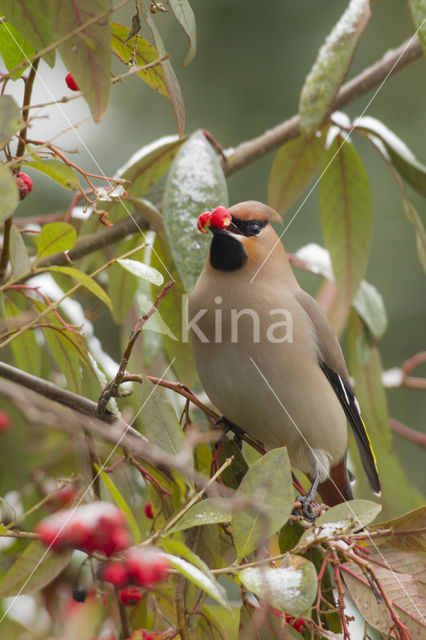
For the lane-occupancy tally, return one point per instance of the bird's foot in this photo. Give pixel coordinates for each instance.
(228, 426)
(306, 507)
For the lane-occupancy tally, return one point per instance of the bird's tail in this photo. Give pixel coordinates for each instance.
(336, 488)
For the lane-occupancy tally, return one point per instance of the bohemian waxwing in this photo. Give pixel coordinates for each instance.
(267, 356)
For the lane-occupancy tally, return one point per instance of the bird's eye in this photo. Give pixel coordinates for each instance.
(254, 228)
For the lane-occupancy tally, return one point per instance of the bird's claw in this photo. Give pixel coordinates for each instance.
(306, 507)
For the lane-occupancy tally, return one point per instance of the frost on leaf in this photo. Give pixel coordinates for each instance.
(291, 588)
(195, 184)
(331, 66)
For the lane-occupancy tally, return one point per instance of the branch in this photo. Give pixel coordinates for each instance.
(408, 433)
(248, 152)
(99, 240)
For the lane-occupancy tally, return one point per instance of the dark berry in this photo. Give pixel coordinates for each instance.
(79, 594)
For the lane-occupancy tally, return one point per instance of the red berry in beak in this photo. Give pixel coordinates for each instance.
(204, 221)
(220, 218)
(71, 83)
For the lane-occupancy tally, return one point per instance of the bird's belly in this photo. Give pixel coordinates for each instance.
(273, 405)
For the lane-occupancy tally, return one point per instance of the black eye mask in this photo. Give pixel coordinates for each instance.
(249, 227)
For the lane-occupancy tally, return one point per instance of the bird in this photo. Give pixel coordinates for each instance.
(267, 357)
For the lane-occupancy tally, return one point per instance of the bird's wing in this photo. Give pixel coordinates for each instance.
(333, 365)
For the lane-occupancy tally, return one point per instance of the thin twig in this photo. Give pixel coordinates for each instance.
(111, 389)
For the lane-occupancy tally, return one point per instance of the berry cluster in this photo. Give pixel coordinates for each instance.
(138, 568)
(99, 526)
(220, 218)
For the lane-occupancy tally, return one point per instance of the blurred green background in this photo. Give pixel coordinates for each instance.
(250, 66)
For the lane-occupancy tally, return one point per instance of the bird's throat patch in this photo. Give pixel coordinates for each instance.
(227, 253)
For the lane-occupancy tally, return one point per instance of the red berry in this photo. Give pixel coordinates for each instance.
(24, 184)
(204, 221)
(71, 83)
(148, 510)
(130, 596)
(146, 567)
(296, 624)
(116, 574)
(221, 218)
(5, 421)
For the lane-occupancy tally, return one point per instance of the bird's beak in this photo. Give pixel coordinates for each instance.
(231, 228)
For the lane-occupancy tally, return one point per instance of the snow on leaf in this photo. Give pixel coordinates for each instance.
(396, 151)
(291, 588)
(331, 66)
(195, 184)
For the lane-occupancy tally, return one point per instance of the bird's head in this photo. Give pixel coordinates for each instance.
(242, 234)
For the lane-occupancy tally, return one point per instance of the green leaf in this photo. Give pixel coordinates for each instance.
(122, 286)
(346, 215)
(366, 369)
(32, 20)
(55, 237)
(268, 483)
(173, 88)
(331, 66)
(121, 504)
(292, 587)
(18, 254)
(66, 354)
(9, 117)
(87, 55)
(176, 351)
(25, 347)
(58, 171)
(148, 164)
(202, 513)
(412, 521)
(418, 14)
(340, 520)
(396, 151)
(195, 184)
(159, 422)
(403, 590)
(87, 282)
(143, 53)
(9, 195)
(35, 568)
(185, 16)
(179, 548)
(293, 169)
(141, 270)
(203, 580)
(368, 302)
(14, 49)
